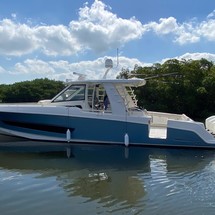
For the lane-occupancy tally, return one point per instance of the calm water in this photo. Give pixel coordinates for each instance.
(108, 180)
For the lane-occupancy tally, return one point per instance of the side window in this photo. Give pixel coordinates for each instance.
(73, 93)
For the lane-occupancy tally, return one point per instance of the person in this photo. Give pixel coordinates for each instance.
(106, 102)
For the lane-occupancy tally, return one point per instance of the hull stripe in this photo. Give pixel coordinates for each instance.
(38, 126)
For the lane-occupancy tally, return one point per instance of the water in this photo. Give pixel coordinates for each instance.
(108, 180)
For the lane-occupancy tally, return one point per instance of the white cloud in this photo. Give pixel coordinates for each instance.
(198, 56)
(56, 40)
(92, 69)
(192, 32)
(2, 70)
(165, 25)
(20, 39)
(100, 30)
(97, 28)
(33, 66)
(62, 70)
(185, 36)
(16, 39)
(186, 32)
(211, 15)
(13, 15)
(207, 29)
(193, 56)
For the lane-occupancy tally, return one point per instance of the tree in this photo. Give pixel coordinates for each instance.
(30, 91)
(178, 86)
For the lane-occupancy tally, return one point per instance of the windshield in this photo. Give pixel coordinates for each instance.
(73, 93)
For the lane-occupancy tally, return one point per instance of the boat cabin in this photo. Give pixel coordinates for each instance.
(115, 96)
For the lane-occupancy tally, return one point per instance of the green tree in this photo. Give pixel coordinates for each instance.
(30, 91)
(178, 86)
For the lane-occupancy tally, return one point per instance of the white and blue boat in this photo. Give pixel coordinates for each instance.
(103, 112)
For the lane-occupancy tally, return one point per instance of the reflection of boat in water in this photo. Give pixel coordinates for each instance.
(93, 172)
(81, 113)
(96, 172)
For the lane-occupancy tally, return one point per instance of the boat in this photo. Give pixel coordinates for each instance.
(103, 111)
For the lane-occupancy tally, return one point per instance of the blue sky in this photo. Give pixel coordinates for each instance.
(53, 39)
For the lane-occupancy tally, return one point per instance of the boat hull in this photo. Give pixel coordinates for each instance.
(64, 125)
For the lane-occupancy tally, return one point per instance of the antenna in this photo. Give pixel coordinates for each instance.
(156, 76)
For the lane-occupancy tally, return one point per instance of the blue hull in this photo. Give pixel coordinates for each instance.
(95, 130)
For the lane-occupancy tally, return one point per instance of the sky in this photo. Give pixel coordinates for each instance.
(53, 39)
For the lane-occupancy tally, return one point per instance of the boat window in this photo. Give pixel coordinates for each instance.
(73, 93)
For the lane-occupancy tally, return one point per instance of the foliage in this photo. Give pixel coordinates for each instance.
(185, 86)
(30, 91)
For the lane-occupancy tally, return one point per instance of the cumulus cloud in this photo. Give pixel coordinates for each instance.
(20, 39)
(165, 26)
(99, 29)
(207, 29)
(16, 39)
(56, 40)
(193, 32)
(62, 70)
(198, 56)
(211, 15)
(186, 32)
(2, 70)
(33, 66)
(193, 56)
